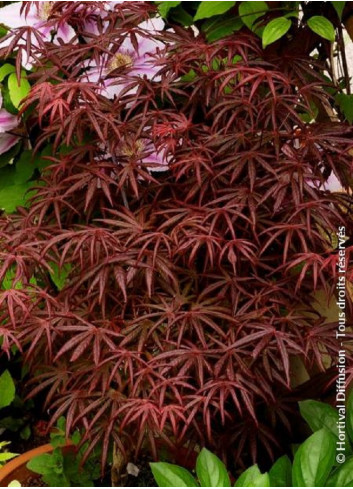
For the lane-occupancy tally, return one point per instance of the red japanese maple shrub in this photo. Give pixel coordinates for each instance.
(191, 215)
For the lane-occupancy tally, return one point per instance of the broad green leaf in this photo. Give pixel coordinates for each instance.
(42, 464)
(314, 460)
(7, 102)
(169, 475)
(220, 27)
(342, 476)
(209, 9)
(164, 7)
(47, 464)
(252, 477)
(7, 176)
(345, 103)
(251, 11)
(59, 275)
(281, 473)
(319, 415)
(18, 91)
(5, 70)
(181, 16)
(322, 26)
(56, 480)
(211, 471)
(13, 196)
(7, 389)
(274, 30)
(24, 167)
(339, 6)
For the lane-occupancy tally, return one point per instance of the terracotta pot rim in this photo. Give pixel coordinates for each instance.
(9, 470)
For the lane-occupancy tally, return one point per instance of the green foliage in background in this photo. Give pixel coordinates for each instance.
(314, 462)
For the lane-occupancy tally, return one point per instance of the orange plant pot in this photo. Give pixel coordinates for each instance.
(16, 469)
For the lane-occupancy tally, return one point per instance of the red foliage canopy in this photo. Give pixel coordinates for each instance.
(190, 289)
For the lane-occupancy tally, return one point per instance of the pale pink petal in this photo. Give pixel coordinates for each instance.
(90, 27)
(7, 121)
(10, 15)
(65, 33)
(154, 25)
(7, 141)
(127, 46)
(148, 46)
(332, 184)
(111, 90)
(156, 160)
(145, 69)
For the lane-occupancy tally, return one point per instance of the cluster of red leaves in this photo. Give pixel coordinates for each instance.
(191, 289)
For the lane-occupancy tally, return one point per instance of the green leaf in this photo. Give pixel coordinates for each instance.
(181, 16)
(18, 91)
(252, 477)
(24, 167)
(56, 480)
(164, 7)
(322, 26)
(319, 415)
(345, 103)
(7, 102)
(281, 473)
(26, 432)
(211, 471)
(209, 9)
(314, 460)
(59, 275)
(3, 31)
(169, 475)
(12, 424)
(5, 456)
(7, 389)
(251, 11)
(342, 476)
(220, 27)
(339, 6)
(47, 464)
(274, 30)
(42, 464)
(5, 70)
(14, 196)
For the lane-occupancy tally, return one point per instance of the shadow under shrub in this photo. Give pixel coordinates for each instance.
(187, 291)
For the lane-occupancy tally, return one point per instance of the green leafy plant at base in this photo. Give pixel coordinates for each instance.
(314, 462)
(65, 468)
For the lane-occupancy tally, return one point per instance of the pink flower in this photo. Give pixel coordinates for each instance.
(37, 17)
(7, 123)
(332, 184)
(137, 61)
(145, 153)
